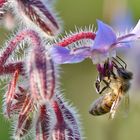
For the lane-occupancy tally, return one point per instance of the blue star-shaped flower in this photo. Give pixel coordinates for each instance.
(105, 44)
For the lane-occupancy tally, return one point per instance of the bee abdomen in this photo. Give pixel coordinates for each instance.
(102, 105)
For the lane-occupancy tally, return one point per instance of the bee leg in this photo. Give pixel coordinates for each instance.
(97, 83)
(97, 86)
(113, 74)
(113, 109)
(115, 105)
(105, 87)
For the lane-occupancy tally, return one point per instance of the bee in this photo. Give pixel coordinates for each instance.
(115, 90)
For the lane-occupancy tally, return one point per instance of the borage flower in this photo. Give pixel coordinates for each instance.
(102, 50)
(104, 46)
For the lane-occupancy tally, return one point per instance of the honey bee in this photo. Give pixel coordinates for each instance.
(115, 90)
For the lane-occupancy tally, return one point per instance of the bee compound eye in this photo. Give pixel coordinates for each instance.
(124, 73)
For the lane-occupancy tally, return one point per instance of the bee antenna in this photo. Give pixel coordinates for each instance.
(115, 65)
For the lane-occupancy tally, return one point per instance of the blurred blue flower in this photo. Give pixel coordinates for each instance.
(104, 46)
(122, 20)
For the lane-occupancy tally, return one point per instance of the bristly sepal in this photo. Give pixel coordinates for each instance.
(79, 38)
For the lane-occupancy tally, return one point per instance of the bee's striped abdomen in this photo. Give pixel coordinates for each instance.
(102, 105)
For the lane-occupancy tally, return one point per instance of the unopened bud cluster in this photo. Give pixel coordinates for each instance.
(33, 101)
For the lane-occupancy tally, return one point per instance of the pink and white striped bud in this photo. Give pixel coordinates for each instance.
(24, 131)
(59, 130)
(24, 121)
(71, 118)
(18, 102)
(43, 126)
(42, 73)
(36, 13)
(10, 94)
(57, 121)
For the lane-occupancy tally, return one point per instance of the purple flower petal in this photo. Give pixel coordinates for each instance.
(132, 36)
(136, 29)
(105, 37)
(124, 44)
(63, 55)
(125, 41)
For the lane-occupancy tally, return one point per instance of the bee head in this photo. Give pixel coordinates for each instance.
(123, 73)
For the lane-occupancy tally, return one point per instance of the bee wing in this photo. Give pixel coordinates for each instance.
(115, 104)
(126, 105)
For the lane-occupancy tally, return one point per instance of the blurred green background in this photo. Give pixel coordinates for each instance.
(78, 79)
